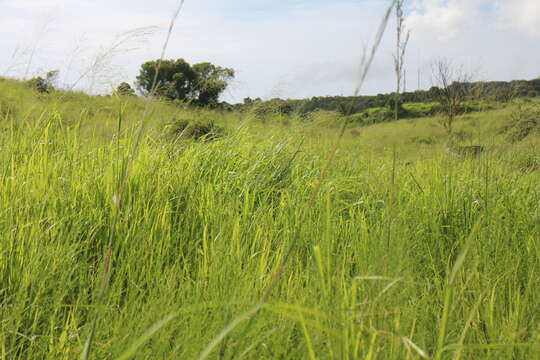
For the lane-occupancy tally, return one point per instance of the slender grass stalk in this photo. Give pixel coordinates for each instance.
(364, 69)
(399, 56)
(118, 197)
(132, 350)
(309, 343)
(449, 289)
(232, 325)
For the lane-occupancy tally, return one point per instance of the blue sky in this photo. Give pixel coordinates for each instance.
(287, 48)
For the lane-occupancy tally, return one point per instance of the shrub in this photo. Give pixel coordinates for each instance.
(272, 107)
(526, 120)
(522, 129)
(39, 84)
(196, 129)
(124, 89)
(6, 109)
(378, 115)
(359, 118)
(425, 140)
(371, 116)
(528, 163)
(422, 109)
(475, 106)
(44, 85)
(391, 105)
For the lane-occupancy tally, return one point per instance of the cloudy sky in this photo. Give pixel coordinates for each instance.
(286, 48)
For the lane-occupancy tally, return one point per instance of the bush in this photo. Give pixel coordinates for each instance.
(371, 116)
(462, 135)
(378, 115)
(199, 129)
(475, 106)
(424, 140)
(6, 109)
(124, 89)
(526, 120)
(522, 129)
(528, 163)
(40, 85)
(44, 85)
(358, 119)
(422, 109)
(272, 107)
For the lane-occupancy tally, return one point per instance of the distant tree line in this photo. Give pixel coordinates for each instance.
(202, 84)
(496, 91)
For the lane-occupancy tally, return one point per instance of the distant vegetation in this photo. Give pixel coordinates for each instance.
(420, 103)
(200, 85)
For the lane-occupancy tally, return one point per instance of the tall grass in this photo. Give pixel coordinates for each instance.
(119, 241)
(205, 227)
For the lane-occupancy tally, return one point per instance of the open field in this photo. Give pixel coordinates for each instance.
(245, 247)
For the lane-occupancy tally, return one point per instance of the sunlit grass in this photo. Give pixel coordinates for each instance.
(406, 252)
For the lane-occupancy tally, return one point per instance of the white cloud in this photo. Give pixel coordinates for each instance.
(446, 18)
(481, 34)
(522, 15)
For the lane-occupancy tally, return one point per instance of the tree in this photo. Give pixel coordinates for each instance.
(124, 89)
(211, 82)
(45, 85)
(452, 89)
(175, 79)
(200, 84)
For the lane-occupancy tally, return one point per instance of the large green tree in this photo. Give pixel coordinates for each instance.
(211, 82)
(200, 84)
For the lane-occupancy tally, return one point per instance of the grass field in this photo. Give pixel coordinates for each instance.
(244, 247)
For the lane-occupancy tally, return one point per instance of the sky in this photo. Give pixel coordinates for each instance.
(279, 48)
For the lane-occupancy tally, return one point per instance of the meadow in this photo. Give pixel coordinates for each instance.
(121, 238)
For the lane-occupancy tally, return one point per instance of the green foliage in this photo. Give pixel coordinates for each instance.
(424, 140)
(525, 121)
(395, 103)
(418, 103)
(124, 89)
(263, 109)
(527, 161)
(211, 82)
(6, 109)
(422, 109)
(200, 84)
(357, 119)
(44, 85)
(39, 84)
(175, 79)
(378, 115)
(196, 129)
(372, 116)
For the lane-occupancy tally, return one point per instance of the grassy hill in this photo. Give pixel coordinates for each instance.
(122, 233)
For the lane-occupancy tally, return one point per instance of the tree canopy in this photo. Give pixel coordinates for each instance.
(199, 84)
(124, 89)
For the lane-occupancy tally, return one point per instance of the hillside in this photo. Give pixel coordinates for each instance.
(145, 230)
(417, 103)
